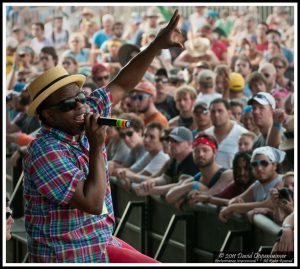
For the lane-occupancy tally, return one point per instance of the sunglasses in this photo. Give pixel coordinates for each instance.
(263, 163)
(201, 112)
(69, 104)
(101, 78)
(124, 134)
(67, 63)
(162, 80)
(139, 97)
(279, 66)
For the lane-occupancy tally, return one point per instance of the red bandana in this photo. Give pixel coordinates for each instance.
(205, 141)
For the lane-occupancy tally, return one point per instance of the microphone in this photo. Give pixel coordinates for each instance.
(120, 123)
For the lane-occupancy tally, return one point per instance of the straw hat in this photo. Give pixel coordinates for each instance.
(87, 11)
(48, 83)
(197, 47)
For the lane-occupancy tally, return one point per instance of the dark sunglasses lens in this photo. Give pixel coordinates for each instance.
(70, 104)
(129, 134)
(264, 163)
(254, 164)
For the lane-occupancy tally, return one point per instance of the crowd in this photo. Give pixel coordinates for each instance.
(211, 121)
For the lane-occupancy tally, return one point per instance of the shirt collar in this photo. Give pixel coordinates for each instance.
(61, 135)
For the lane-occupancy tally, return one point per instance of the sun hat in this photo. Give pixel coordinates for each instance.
(87, 11)
(49, 82)
(197, 47)
(236, 82)
(264, 99)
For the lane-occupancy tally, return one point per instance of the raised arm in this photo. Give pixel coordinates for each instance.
(132, 73)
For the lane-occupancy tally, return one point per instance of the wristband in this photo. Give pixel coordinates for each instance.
(196, 185)
(197, 176)
(142, 178)
(277, 125)
(288, 226)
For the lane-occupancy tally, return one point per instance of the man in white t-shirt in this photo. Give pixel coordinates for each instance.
(226, 131)
(39, 40)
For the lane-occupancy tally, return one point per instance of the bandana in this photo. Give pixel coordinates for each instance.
(275, 155)
(205, 141)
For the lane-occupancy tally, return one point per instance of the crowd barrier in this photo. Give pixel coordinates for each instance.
(187, 236)
(159, 230)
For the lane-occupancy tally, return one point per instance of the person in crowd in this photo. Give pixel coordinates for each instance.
(236, 109)
(201, 65)
(185, 97)
(102, 35)
(100, 74)
(222, 78)
(88, 30)
(39, 40)
(263, 109)
(152, 162)
(197, 49)
(143, 95)
(201, 117)
(23, 68)
(182, 164)
(246, 141)
(65, 168)
(280, 95)
(261, 36)
(59, 35)
(164, 101)
(77, 50)
(133, 34)
(248, 49)
(196, 21)
(243, 66)
(117, 150)
(48, 58)
(213, 178)
(19, 34)
(242, 176)
(133, 138)
(281, 64)
(236, 88)
(9, 220)
(70, 64)
(285, 241)
(264, 163)
(257, 83)
(225, 131)
(206, 87)
(225, 22)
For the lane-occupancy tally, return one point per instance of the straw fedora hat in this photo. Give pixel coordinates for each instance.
(48, 83)
(87, 11)
(197, 47)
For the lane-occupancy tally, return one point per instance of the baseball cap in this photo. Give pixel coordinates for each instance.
(263, 98)
(145, 86)
(96, 67)
(200, 104)
(206, 77)
(236, 82)
(181, 134)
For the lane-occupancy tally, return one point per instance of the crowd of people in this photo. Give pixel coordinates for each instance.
(210, 98)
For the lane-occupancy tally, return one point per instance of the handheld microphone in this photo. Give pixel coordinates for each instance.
(120, 123)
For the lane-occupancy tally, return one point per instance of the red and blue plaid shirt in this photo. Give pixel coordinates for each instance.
(53, 166)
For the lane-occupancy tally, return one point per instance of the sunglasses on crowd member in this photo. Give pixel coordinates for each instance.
(69, 104)
(263, 163)
(139, 97)
(162, 80)
(127, 133)
(200, 112)
(279, 66)
(101, 78)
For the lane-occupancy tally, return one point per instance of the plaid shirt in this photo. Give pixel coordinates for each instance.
(53, 166)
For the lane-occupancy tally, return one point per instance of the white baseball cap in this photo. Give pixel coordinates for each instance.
(263, 98)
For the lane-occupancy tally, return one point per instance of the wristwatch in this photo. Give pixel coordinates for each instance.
(288, 226)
